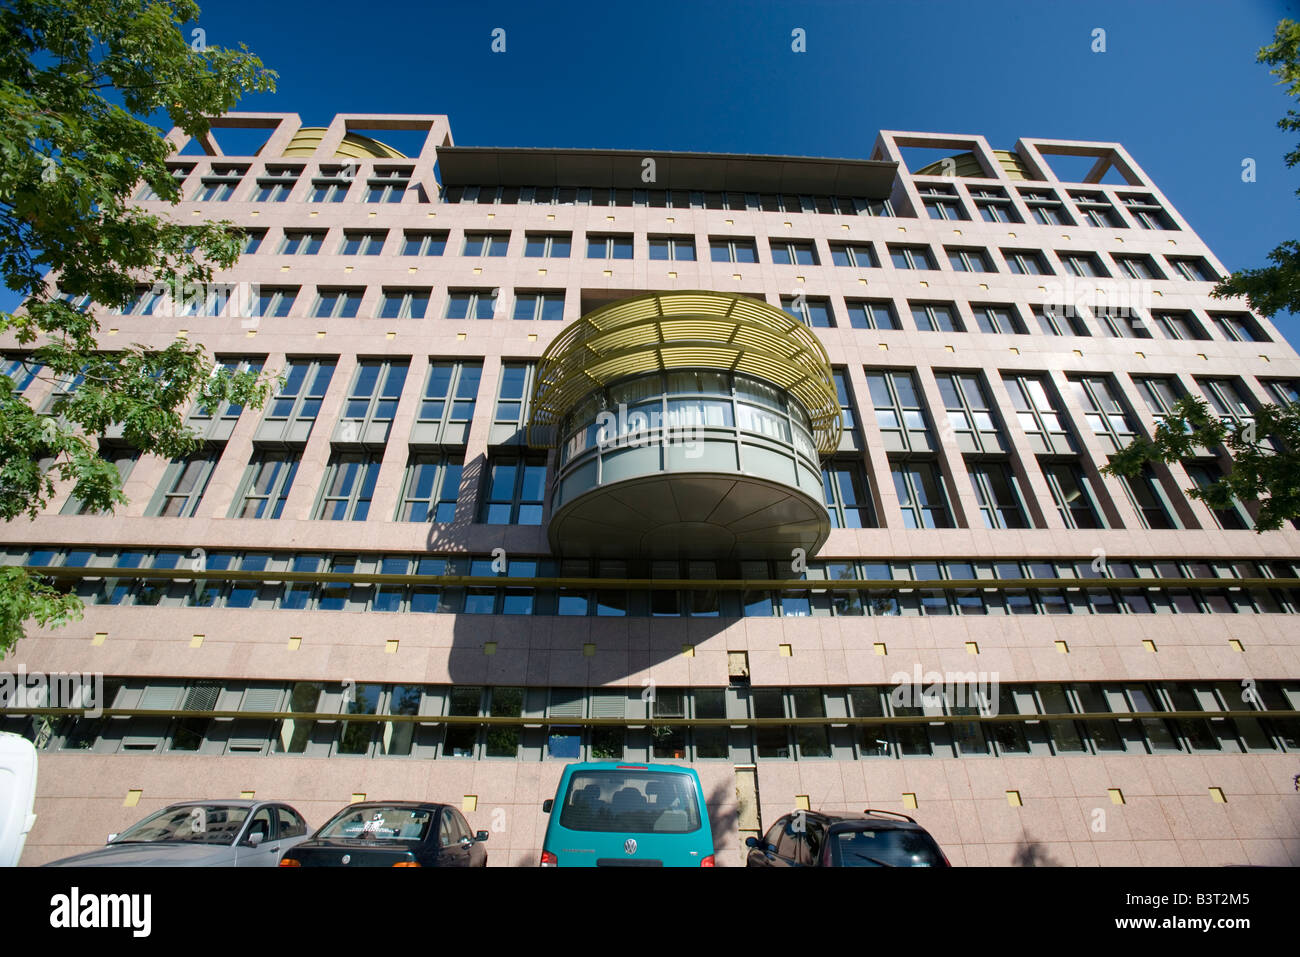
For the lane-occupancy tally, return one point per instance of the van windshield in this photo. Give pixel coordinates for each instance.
(649, 802)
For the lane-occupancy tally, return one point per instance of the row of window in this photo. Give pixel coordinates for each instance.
(383, 183)
(737, 249)
(512, 487)
(412, 302)
(1095, 721)
(113, 584)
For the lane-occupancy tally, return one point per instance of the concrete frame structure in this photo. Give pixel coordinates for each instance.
(1139, 805)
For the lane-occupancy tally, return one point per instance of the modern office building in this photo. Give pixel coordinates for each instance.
(784, 467)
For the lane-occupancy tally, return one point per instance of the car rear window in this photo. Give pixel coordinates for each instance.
(884, 847)
(647, 802)
(380, 824)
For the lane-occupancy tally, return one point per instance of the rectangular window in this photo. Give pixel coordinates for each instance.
(1228, 399)
(471, 304)
(968, 259)
(306, 381)
(21, 370)
(998, 319)
(1038, 415)
(919, 486)
(970, 415)
(1053, 320)
(1146, 212)
(1104, 411)
(363, 242)
(732, 250)
(911, 257)
(403, 303)
(372, 400)
(337, 303)
(1046, 207)
(1239, 327)
(936, 317)
(1082, 264)
(183, 485)
(1137, 266)
(513, 392)
(266, 485)
(854, 255)
(300, 242)
(998, 494)
(388, 185)
(1203, 474)
(447, 406)
(1179, 325)
(848, 494)
(275, 301)
(1095, 209)
(941, 202)
(1025, 262)
(994, 206)
(794, 252)
(348, 486)
(420, 242)
(275, 185)
(609, 245)
(539, 305)
(674, 248)
(1148, 499)
(219, 185)
(1282, 391)
(332, 184)
(486, 244)
(1160, 393)
(514, 490)
(1192, 268)
(872, 314)
(814, 312)
(1072, 493)
(430, 488)
(900, 413)
(547, 245)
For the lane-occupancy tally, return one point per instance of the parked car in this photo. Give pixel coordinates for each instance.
(17, 796)
(201, 834)
(392, 834)
(873, 838)
(606, 814)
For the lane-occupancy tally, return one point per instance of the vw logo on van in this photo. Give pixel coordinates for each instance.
(629, 846)
(347, 858)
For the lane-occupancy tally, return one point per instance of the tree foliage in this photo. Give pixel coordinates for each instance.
(1275, 288)
(1265, 463)
(80, 81)
(1265, 453)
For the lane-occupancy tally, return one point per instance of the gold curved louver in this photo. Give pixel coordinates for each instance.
(684, 330)
(352, 146)
(968, 165)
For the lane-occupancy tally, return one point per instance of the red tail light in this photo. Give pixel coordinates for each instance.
(407, 864)
(708, 862)
(549, 859)
(289, 862)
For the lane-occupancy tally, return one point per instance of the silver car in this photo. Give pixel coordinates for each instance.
(202, 834)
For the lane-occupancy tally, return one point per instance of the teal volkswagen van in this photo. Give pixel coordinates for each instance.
(611, 814)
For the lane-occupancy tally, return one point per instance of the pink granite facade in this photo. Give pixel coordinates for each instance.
(1170, 813)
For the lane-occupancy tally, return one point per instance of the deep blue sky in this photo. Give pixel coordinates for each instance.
(1178, 84)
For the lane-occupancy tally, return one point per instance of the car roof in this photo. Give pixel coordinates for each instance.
(833, 819)
(628, 766)
(429, 805)
(227, 802)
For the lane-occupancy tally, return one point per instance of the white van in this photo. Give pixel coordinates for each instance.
(17, 796)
